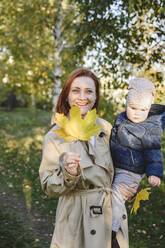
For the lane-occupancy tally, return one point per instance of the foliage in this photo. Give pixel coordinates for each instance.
(122, 35)
(29, 54)
(38, 38)
(77, 128)
(25, 43)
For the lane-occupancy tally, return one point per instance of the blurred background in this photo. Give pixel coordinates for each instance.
(41, 42)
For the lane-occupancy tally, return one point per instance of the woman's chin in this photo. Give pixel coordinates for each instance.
(83, 111)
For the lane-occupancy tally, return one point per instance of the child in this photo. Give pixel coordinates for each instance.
(135, 143)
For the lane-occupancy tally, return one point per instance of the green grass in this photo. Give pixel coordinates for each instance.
(21, 136)
(146, 228)
(13, 234)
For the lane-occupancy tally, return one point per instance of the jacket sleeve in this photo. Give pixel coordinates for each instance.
(152, 152)
(55, 180)
(163, 119)
(153, 162)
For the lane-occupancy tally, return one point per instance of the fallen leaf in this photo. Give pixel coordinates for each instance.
(142, 195)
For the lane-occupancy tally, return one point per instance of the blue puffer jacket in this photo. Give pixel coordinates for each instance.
(137, 147)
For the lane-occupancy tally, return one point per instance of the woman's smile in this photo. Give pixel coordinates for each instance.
(81, 104)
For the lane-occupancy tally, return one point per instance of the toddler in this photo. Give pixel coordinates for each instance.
(135, 143)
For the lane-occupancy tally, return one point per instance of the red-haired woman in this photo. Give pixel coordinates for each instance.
(83, 216)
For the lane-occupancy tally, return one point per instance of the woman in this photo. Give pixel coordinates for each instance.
(83, 216)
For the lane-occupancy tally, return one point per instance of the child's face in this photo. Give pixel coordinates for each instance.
(137, 111)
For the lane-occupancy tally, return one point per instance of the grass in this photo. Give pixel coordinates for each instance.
(146, 228)
(21, 136)
(12, 232)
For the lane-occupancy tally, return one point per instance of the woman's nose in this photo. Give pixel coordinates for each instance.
(82, 95)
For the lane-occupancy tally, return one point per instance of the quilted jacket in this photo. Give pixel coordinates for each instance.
(137, 147)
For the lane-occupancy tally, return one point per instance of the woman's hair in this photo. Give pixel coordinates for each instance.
(62, 104)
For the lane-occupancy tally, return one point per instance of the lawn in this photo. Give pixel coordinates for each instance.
(21, 136)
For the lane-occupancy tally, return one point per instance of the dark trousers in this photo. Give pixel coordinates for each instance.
(115, 244)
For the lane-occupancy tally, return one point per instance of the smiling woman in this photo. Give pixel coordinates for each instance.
(82, 94)
(80, 81)
(84, 213)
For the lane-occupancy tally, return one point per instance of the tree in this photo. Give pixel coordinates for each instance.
(35, 41)
(121, 33)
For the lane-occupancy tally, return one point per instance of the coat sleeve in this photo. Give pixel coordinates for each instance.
(55, 180)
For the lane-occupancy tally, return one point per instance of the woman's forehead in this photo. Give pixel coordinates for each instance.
(83, 82)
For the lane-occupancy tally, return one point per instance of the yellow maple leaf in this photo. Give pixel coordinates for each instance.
(142, 195)
(77, 128)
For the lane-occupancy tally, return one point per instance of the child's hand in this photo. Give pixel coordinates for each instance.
(154, 181)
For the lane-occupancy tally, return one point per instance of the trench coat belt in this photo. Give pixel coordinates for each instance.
(95, 210)
(106, 190)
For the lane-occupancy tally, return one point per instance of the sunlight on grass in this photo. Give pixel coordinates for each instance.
(27, 189)
(162, 186)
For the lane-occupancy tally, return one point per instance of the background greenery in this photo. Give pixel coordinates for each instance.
(41, 42)
(21, 135)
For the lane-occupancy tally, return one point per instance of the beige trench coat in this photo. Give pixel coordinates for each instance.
(84, 214)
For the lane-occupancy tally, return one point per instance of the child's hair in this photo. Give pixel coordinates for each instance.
(140, 88)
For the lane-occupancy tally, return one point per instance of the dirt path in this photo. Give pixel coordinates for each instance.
(41, 224)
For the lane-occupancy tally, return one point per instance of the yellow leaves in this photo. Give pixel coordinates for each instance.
(161, 10)
(77, 128)
(141, 196)
(51, 2)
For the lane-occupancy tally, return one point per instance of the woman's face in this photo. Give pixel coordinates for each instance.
(82, 94)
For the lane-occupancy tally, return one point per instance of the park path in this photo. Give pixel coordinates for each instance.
(39, 223)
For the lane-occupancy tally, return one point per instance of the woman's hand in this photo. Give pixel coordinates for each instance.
(128, 192)
(71, 163)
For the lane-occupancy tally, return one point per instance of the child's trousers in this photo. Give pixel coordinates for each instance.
(118, 204)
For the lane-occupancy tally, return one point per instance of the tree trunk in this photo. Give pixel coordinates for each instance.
(58, 46)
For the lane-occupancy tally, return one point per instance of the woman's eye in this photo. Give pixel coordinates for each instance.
(90, 91)
(75, 90)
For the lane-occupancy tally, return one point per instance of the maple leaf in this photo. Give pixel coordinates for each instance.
(77, 128)
(142, 195)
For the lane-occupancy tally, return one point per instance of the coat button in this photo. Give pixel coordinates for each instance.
(93, 231)
(124, 217)
(101, 134)
(91, 186)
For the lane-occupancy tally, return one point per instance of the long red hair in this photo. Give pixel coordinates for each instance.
(62, 104)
